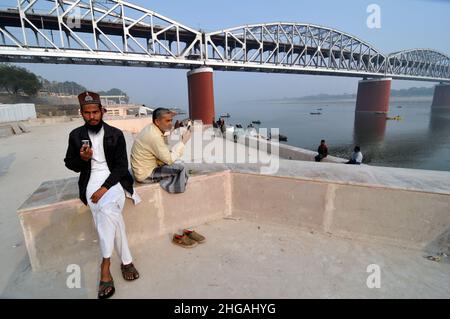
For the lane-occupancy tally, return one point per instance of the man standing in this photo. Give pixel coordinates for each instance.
(322, 150)
(98, 152)
(153, 161)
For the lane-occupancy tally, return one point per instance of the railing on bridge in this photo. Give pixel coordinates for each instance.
(103, 32)
(116, 32)
(420, 63)
(293, 47)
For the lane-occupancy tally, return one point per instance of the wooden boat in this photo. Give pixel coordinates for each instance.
(282, 138)
(395, 118)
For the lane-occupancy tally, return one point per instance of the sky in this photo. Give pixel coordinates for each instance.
(405, 24)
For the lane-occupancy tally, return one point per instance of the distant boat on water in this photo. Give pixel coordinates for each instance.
(282, 138)
(256, 122)
(315, 113)
(395, 118)
(226, 115)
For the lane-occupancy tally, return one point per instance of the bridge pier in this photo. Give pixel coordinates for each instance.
(201, 95)
(373, 95)
(441, 97)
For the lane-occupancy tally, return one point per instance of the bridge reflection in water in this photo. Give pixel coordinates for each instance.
(369, 128)
(403, 145)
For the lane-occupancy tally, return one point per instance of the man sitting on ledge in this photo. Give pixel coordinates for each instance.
(357, 156)
(98, 151)
(153, 161)
(322, 151)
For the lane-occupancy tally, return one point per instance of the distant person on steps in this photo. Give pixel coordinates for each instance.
(357, 156)
(322, 150)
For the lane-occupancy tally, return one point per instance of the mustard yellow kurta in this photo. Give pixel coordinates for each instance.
(150, 150)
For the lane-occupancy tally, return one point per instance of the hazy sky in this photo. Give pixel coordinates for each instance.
(405, 24)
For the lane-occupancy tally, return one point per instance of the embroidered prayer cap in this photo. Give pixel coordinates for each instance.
(89, 98)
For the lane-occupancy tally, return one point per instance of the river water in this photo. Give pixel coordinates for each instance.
(421, 139)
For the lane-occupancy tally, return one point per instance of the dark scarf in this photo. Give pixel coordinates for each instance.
(94, 128)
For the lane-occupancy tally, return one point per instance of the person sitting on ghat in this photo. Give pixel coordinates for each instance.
(98, 152)
(322, 150)
(153, 161)
(357, 156)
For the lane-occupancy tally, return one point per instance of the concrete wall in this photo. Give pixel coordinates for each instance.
(17, 112)
(133, 125)
(59, 228)
(407, 218)
(53, 120)
(6, 131)
(285, 151)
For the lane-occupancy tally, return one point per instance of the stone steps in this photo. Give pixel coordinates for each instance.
(13, 128)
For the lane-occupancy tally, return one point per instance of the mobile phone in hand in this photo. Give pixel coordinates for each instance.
(85, 144)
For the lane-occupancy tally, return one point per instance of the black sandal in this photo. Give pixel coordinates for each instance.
(129, 269)
(102, 288)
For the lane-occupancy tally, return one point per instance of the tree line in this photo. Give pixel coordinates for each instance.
(17, 80)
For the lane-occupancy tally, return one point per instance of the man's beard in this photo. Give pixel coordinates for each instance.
(94, 128)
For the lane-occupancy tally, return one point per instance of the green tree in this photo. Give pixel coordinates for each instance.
(115, 91)
(16, 80)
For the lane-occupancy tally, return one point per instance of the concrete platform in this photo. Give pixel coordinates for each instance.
(312, 253)
(57, 226)
(267, 237)
(244, 259)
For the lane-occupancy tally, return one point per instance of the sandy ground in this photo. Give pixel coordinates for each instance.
(287, 259)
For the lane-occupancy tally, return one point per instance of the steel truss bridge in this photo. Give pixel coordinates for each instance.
(119, 33)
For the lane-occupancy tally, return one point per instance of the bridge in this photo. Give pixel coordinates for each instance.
(119, 33)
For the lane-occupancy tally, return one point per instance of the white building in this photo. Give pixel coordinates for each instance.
(17, 112)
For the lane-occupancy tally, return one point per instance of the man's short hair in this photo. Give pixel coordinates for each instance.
(322, 141)
(357, 149)
(160, 112)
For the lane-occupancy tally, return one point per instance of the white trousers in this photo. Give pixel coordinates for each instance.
(108, 219)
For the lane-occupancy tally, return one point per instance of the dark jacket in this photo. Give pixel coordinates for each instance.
(116, 158)
(323, 150)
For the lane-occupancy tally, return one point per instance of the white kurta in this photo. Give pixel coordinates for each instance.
(107, 212)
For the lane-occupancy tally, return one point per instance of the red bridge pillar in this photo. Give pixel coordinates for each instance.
(201, 94)
(373, 95)
(441, 97)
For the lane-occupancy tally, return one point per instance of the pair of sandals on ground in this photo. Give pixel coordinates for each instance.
(189, 239)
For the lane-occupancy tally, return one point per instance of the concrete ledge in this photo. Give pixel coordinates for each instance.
(133, 125)
(12, 128)
(413, 219)
(407, 218)
(58, 227)
(52, 120)
(6, 131)
(285, 151)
